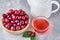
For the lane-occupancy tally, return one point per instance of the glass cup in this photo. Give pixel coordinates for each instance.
(40, 24)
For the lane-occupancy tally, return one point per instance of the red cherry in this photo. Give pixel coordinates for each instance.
(22, 26)
(18, 28)
(13, 16)
(26, 16)
(4, 24)
(14, 25)
(26, 22)
(12, 22)
(10, 18)
(4, 15)
(23, 17)
(6, 20)
(12, 28)
(19, 17)
(21, 12)
(16, 21)
(33, 34)
(16, 12)
(10, 11)
(7, 26)
(22, 22)
(29, 33)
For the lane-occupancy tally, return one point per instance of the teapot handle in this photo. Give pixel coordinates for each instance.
(57, 3)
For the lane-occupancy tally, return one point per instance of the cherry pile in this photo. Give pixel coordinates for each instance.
(30, 33)
(15, 20)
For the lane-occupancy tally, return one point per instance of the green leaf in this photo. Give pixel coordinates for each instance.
(33, 38)
(26, 34)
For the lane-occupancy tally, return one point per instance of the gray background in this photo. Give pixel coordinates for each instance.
(54, 19)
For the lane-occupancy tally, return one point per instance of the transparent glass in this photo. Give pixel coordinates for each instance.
(44, 29)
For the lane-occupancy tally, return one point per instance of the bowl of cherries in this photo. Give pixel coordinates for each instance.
(15, 21)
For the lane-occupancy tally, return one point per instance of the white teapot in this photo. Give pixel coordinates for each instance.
(42, 7)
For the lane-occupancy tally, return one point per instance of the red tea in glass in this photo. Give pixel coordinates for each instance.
(40, 24)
